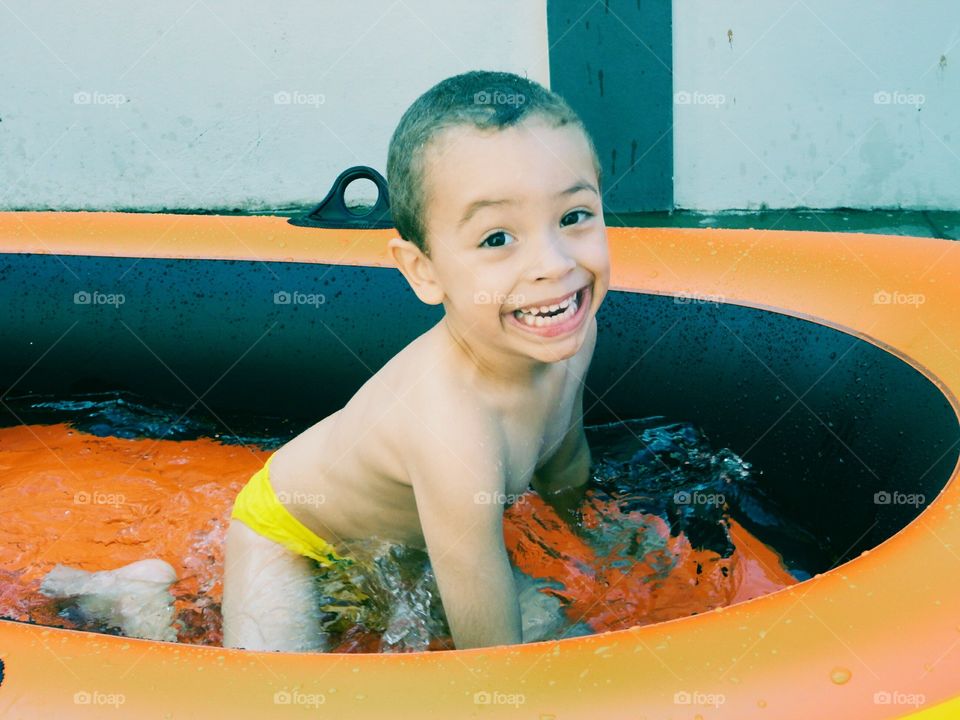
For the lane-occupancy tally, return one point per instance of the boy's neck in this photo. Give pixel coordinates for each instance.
(498, 369)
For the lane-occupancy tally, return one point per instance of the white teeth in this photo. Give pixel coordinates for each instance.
(543, 309)
(529, 318)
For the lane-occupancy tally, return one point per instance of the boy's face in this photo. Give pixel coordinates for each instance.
(514, 221)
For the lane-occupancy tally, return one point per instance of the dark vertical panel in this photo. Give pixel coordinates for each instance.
(613, 62)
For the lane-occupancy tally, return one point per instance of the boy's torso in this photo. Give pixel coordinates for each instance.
(344, 477)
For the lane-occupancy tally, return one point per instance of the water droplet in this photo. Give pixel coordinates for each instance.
(840, 675)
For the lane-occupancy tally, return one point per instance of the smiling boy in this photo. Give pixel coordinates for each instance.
(495, 193)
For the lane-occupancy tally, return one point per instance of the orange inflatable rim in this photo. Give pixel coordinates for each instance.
(877, 624)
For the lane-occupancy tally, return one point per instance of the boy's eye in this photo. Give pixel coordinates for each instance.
(587, 213)
(497, 238)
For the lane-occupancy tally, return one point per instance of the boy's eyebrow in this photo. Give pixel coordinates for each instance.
(476, 205)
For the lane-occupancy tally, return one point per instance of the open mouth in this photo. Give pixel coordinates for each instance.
(555, 319)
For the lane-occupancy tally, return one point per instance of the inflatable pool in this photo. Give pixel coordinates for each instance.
(831, 362)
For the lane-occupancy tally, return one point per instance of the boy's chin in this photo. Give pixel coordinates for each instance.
(553, 350)
(558, 353)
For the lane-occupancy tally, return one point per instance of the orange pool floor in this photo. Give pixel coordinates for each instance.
(98, 503)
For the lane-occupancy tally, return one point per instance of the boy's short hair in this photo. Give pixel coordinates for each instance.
(484, 99)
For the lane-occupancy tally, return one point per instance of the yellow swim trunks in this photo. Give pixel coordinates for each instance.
(342, 580)
(363, 591)
(257, 506)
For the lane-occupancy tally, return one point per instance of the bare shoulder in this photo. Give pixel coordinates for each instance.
(433, 407)
(454, 429)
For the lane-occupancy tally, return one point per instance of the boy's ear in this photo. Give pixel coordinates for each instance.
(417, 268)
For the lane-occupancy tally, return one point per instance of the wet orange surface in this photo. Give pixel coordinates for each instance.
(99, 503)
(672, 580)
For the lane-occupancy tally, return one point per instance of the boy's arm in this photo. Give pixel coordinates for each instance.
(459, 492)
(562, 480)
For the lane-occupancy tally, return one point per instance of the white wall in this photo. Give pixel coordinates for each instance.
(176, 104)
(795, 122)
(182, 110)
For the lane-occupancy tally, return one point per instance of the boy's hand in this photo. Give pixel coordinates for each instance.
(568, 504)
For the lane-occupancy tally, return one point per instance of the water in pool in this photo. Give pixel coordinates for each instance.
(96, 482)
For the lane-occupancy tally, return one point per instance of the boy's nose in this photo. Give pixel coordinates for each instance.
(553, 257)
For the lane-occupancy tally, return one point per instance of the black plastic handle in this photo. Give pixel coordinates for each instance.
(333, 212)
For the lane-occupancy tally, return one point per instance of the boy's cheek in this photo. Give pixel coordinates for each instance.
(601, 266)
(601, 287)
